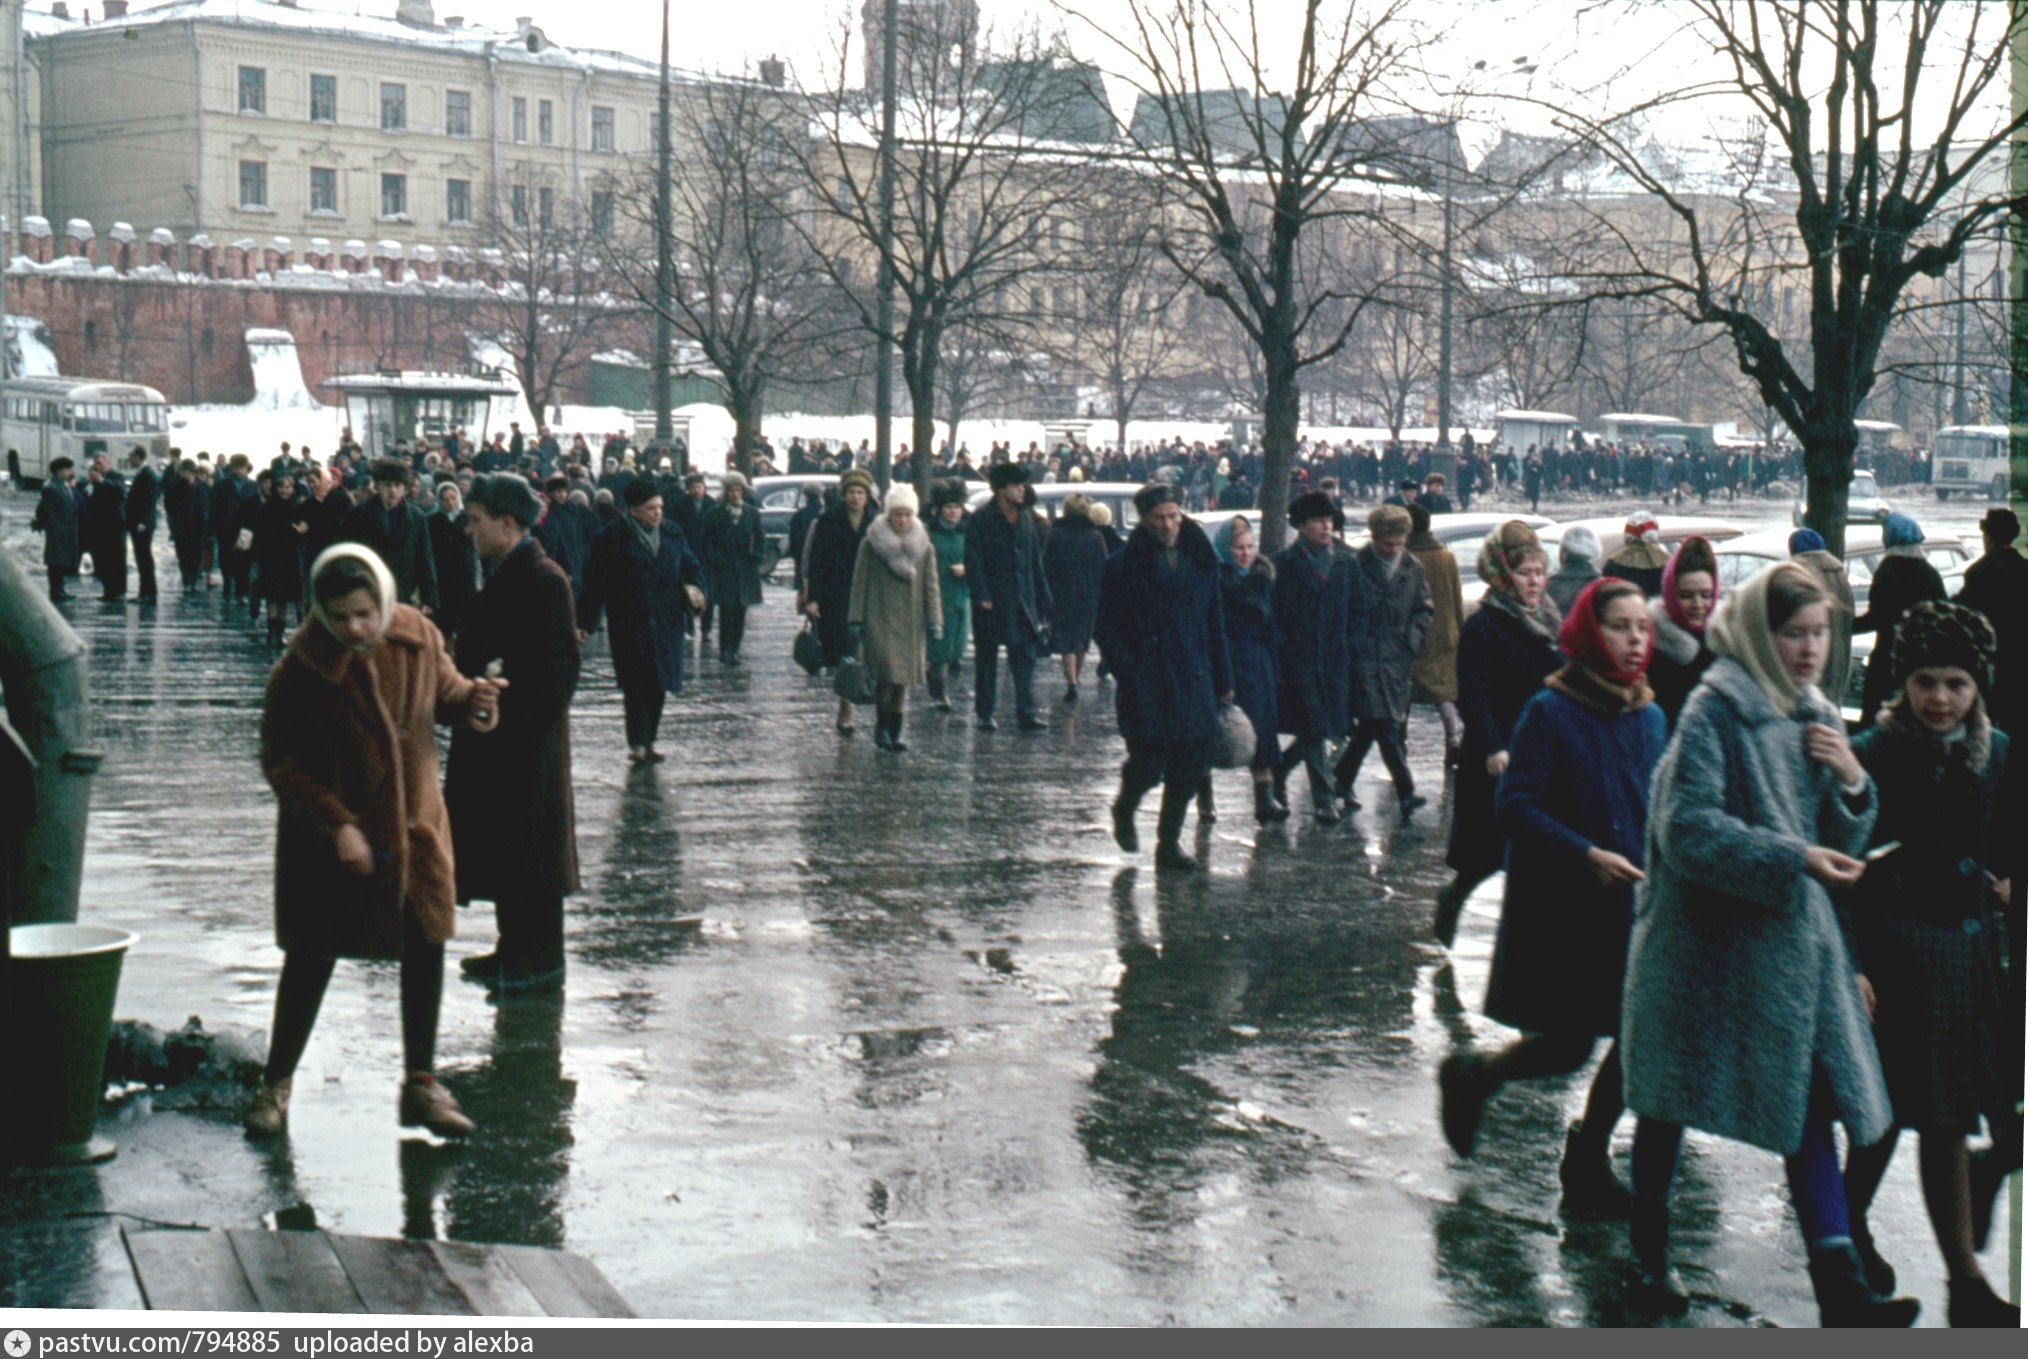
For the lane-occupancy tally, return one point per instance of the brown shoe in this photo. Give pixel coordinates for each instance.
(425, 1104)
(268, 1115)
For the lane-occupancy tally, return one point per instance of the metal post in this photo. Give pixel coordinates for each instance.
(1442, 461)
(665, 270)
(1959, 415)
(883, 345)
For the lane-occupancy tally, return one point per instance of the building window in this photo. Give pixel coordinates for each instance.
(253, 89)
(323, 99)
(253, 184)
(545, 122)
(323, 189)
(394, 195)
(517, 198)
(602, 214)
(545, 208)
(458, 113)
(520, 119)
(393, 107)
(602, 128)
(458, 200)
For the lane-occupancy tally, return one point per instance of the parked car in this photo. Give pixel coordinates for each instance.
(778, 498)
(1863, 502)
(1117, 496)
(1612, 535)
(1742, 558)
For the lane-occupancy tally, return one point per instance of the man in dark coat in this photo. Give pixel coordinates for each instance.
(1010, 595)
(1316, 604)
(56, 519)
(566, 532)
(639, 566)
(144, 505)
(189, 507)
(229, 495)
(513, 820)
(1997, 586)
(324, 511)
(1161, 631)
(688, 511)
(105, 527)
(1388, 629)
(456, 559)
(397, 533)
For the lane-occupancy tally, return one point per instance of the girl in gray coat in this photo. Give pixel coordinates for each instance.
(1743, 1014)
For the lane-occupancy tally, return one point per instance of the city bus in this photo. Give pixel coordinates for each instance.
(1971, 460)
(45, 418)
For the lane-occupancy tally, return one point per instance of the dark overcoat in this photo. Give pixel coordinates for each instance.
(1997, 586)
(1074, 563)
(1314, 619)
(641, 594)
(1929, 932)
(1249, 601)
(456, 559)
(105, 520)
(405, 548)
(831, 557)
(509, 789)
(734, 545)
(347, 739)
(1003, 562)
(1578, 779)
(1388, 630)
(1899, 584)
(1680, 660)
(189, 509)
(566, 532)
(1502, 663)
(1163, 637)
(56, 517)
(278, 549)
(144, 501)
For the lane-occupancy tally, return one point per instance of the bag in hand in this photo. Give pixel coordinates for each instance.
(1233, 740)
(808, 651)
(854, 682)
(693, 600)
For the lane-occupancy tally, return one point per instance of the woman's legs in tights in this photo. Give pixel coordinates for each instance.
(1947, 1190)
(300, 995)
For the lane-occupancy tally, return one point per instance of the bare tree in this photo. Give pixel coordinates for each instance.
(552, 314)
(975, 373)
(985, 178)
(1253, 174)
(1881, 119)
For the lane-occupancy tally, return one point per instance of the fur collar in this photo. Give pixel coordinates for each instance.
(1750, 703)
(1673, 642)
(1977, 746)
(899, 551)
(1194, 545)
(330, 659)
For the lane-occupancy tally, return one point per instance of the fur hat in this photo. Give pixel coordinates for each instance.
(1153, 494)
(507, 495)
(732, 479)
(1936, 634)
(947, 491)
(857, 476)
(902, 496)
(1579, 544)
(1315, 505)
(639, 492)
(1388, 521)
(1004, 474)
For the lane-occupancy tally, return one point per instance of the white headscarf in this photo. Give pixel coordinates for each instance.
(1739, 629)
(383, 582)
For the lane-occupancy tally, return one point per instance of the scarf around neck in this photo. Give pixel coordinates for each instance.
(1589, 689)
(650, 538)
(1541, 621)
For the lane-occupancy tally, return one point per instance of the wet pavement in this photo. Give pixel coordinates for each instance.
(936, 1051)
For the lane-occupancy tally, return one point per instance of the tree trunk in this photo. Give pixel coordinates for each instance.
(1827, 482)
(1279, 412)
(745, 410)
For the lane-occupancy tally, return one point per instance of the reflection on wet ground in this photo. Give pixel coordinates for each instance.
(854, 1036)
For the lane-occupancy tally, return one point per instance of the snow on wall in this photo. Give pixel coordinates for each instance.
(277, 372)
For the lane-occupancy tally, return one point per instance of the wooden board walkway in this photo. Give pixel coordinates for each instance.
(262, 1271)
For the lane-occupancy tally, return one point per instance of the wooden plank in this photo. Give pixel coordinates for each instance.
(295, 1272)
(400, 1278)
(490, 1287)
(562, 1290)
(189, 1272)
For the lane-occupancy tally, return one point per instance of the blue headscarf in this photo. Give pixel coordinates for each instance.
(1805, 540)
(1900, 531)
(1221, 542)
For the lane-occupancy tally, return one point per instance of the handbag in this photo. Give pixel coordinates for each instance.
(808, 651)
(1233, 741)
(854, 681)
(243, 543)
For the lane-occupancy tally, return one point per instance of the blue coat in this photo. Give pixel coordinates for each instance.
(1164, 640)
(643, 593)
(1250, 635)
(1577, 778)
(1314, 621)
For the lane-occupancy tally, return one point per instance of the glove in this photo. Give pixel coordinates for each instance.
(936, 634)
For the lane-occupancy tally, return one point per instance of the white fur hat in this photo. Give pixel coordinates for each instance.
(901, 496)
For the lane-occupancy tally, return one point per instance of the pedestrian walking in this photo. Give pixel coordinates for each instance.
(1388, 627)
(57, 520)
(1246, 582)
(1690, 593)
(1074, 563)
(1161, 627)
(1577, 557)
(947, 536)
(513, 815)
(800, 522)
(279, 528)
(1903, 579)
(1315, 601)
(734, 545)
(1997, 586)
(105, 528)
(1573, 804)
(566, 531)
(144, 516)
(1641, 557)
(396, 531)
(188, 504)
(363, 851)
(1744, 1014)
(895, 609)
(1011, 604)
(230, 516)
(640, 574)
(1434, 680)
(829, 560)
(1505, 652)
(1806, 548)
(1930, 941)
(456, 561)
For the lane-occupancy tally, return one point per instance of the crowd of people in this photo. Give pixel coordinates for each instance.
(1773, 925)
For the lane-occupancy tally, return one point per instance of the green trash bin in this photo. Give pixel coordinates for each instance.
(61, 982)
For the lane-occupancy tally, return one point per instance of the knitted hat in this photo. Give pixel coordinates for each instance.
(902, 496)
(1805, 540)
(857, 476)
(1579, 544)
(1314, 505)
(1900, 531)
(1937, 634)
(1641, 526)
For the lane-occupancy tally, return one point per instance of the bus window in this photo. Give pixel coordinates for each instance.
(98, 417)
(148, 419)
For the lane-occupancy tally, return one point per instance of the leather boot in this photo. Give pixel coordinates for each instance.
(1879, 1274)
(881, 740)
(1266, 809)
(1651, 1284)
(894, 742)
(1589, 1185)
(268, 1115)
(1450, 904)
(1843, 1299)
(1975, 1304)
(425, 1104)
(1169, 827)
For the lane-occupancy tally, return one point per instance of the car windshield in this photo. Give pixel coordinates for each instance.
(1864, 487)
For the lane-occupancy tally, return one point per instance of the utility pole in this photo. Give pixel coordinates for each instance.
(1441, 459)
(665, 271)
(1959, 415)
(883, 346)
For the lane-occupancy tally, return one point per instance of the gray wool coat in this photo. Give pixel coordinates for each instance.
(1388, 629)
(1740, 975)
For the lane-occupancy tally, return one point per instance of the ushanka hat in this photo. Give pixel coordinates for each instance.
(1315, 505)
(1937, 635)
(947, 491)
(1004, 474)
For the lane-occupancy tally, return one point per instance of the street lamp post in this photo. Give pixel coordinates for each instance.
(665, 272)
(883, 352)
(1442, 459)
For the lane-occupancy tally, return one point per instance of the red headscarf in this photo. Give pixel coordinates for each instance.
(1584, 641)
(1699, 557)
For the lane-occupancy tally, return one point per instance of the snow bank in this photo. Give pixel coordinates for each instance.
(277, 372)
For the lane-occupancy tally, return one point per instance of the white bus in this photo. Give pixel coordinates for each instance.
(1972, 460)
(44, 418)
